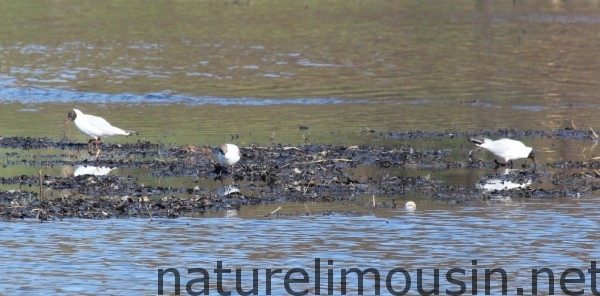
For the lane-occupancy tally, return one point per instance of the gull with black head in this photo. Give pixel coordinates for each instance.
(228, 155)
(506, 149)
(95, 127)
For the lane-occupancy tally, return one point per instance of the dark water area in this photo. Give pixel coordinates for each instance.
(383, 93)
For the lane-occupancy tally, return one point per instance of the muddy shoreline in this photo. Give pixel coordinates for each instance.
(268, 174)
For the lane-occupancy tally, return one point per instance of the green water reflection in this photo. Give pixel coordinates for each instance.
(488, 50)
(422, 65)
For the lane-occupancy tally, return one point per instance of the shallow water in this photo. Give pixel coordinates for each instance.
(208, 72)
(123, 257)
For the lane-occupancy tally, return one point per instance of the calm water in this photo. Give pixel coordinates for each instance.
(78, 257)
(200, 72)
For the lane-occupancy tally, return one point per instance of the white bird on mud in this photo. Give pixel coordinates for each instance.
(506, 149)
(95, 127)
(229, 154)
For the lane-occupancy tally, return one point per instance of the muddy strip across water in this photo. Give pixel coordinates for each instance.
(273, 174)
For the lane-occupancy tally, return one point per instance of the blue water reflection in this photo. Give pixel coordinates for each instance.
(122, 257)
(47, 95)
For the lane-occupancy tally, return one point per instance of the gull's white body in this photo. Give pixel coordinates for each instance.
(229, 154)
(506, 149)
(96, 127)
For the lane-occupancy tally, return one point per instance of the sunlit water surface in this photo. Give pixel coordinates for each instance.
(123, 257)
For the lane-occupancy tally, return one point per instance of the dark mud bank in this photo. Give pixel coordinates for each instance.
(270, 174)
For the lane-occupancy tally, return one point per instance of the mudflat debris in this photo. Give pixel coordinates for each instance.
(266, 174)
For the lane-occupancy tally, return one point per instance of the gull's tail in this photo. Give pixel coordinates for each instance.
(479, 142)
(476, 141)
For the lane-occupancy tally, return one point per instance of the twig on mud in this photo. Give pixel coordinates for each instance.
(334, 160)
(41, 215)
(573, 125)
(594, 133)
(267, 215)
(41, 185)
(306, 187)
(324, 160)
(318, 161)
(160, 159)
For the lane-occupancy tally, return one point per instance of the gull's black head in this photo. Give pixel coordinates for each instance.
(531, 155)
(223, 149)
(71, 116)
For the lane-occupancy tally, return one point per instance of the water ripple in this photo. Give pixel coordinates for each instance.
(122, 256)
(44, 95)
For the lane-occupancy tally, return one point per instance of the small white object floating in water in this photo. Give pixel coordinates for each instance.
(92, 170)
(410, 206)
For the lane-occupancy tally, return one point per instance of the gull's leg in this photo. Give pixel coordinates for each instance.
(498, 164)
(97, 148)
(90, 146)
